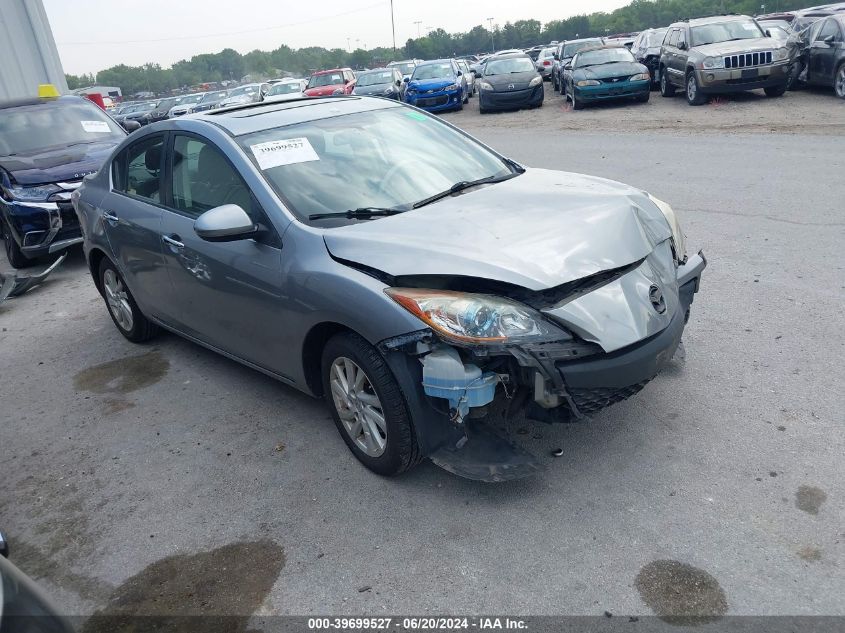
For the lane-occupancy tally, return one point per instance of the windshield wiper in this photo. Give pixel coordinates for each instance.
(361, 213)
(461, 186)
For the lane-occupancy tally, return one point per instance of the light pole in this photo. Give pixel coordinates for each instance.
(392, 26)
(348, 45)
(418, 22)
(492, 41)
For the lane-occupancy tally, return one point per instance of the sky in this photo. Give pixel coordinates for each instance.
(96, 34)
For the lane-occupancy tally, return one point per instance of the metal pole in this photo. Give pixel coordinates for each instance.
(392, 26)
(418, 22)
(492, 41)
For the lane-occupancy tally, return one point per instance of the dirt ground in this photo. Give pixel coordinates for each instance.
(808, 111)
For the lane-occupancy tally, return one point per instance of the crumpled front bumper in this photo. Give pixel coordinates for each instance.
(41, 228)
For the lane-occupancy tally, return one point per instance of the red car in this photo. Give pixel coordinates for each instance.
(323, 83)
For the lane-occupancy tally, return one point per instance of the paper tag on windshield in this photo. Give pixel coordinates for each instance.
(95, 126)
(285, 152)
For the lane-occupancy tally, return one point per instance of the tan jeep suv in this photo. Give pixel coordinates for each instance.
(720, 54)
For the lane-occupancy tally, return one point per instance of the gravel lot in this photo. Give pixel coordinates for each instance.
(134, 476)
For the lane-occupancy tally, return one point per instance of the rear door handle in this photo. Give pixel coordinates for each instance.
(111, 218)
(173, 240)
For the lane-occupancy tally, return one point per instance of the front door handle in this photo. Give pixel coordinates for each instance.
(173, 240)
(111, 218)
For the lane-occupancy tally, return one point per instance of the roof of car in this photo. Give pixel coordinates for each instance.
(329, 70)
(27, 101)
(246, 119)
(435, 61)
(712, 19)
(508, 55)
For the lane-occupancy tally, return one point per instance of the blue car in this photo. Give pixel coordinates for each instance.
(437, 85)
(47, 145)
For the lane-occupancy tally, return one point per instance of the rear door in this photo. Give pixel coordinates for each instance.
(229, 293)
(132, 213)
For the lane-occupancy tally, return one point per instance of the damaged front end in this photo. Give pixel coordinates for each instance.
(16, 284)
(556, 355)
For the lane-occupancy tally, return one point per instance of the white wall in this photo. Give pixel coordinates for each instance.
(28, 54)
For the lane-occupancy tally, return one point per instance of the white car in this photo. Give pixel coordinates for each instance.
(185, 104)
(286, 89)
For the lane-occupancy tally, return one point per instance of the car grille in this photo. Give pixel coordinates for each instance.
(613, 80)
(593, 400)
(70, 222)
(747, 60)
(432, 101)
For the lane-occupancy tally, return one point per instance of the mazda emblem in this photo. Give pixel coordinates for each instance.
(510, 86)
(655, 295)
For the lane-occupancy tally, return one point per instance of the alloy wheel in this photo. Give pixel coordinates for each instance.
(358, 406)
(118, 300)
(839, 85)
(692, 88)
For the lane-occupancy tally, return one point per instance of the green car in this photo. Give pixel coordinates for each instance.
(599, 74)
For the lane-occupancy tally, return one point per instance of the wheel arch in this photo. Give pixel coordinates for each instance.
(312, 352)
(95, 258)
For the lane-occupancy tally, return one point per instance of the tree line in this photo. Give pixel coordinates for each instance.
(228, 64)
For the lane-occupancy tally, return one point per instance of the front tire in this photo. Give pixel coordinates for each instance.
(694, 95)
(839, 81)
(644, 98)
(576, 105)
(775, 91)
(123, 310)
(666, 88)
(368, 406)
(555, 86)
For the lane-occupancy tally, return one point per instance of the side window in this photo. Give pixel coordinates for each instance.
(828, 28)
(674, 34)
(204, 179)
(137, 170)
(682, 37)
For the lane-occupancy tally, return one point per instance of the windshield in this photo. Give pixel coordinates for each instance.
(285, 89)
(213, 96)
(191, 99)
(508, 66)
(328, 79)
(569, 50)
(546, 53)
(244, 90)
(167, 103)
(352, 161)
(603, 56)
(406, 68)
(30, 129)
(725, 32)
(374, 79)
(655, 38)
(433, 71)
(143, 107)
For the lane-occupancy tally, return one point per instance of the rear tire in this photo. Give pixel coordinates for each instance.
(694, 95)
(666, 88)
(120, 303)
(376, 406)
(554, 84)
(13, 252)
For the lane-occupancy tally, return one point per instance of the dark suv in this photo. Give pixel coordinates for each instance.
(563, 55)
(722, 54)
(47, 145)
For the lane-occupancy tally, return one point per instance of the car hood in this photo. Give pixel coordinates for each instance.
(511, 81)
(283, 97)
(538, 230)
(58, 165)
(374, 89)
(322, 91)
(431, 84)
(739, 46)
(616, 69)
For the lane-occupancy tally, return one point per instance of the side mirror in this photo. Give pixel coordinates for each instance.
(398, 82)
(829, 40)
(682, 46)
(459, 73)
(406, 79)
(768, 33)
(568, 67)
(4, 546)
(130, 126)
(556, 56)
(226, 223)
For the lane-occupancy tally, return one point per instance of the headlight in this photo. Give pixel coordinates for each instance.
(461, 317)
(587, 82)
(389, 91)
(39, 193)
(713, 62)
(535, 82)
(485, 85)
(451, 87)
(779, 54)
(640, 77)
(338, 91)
(674, 224)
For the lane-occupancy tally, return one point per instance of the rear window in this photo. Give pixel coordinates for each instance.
(433, 71)
(507, 66)
(33, 128)
(329, 79)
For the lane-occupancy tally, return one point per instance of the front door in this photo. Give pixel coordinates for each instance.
(131, 214)
(229, 293)
(823, 55)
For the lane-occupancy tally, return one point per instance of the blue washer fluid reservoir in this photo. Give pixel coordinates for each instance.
(446, 376)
